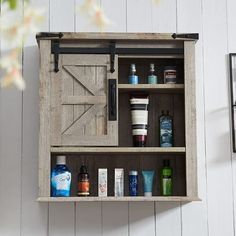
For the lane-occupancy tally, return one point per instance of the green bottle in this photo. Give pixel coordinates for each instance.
(166, 179)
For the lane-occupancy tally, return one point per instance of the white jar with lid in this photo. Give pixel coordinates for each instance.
(170, 75)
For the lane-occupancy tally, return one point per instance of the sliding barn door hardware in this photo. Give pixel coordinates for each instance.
(186, 36)
(112, 56)
(49, 35)
(56, 51)
(111, 50)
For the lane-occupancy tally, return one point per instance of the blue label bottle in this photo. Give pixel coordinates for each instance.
(166, 130)
(61, 179)
(133, 78)
(133, 183)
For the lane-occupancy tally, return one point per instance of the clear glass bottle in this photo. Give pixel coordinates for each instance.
(152, 78)
(133, 78)
(61, 179)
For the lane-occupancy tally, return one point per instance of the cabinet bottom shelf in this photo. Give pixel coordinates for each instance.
(119, 199)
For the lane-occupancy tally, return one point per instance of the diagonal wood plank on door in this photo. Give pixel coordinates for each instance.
(84, 119)
(84, 79)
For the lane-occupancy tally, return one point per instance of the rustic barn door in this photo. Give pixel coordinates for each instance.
(84, 102)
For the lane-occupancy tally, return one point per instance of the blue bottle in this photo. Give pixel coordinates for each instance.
(166, 130)
(133, 183)
(133, 78)
(61, 179)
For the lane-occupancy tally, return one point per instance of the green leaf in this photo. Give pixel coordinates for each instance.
(12, 4)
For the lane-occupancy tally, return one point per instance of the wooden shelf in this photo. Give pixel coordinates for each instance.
(160, 88)
(119, 199)
(117, 150)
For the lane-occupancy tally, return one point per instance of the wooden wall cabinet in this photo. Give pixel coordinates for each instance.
(85, 112)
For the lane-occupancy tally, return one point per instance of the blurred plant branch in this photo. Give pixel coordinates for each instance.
(17, 24)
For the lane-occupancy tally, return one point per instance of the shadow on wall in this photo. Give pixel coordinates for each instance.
(219, 117)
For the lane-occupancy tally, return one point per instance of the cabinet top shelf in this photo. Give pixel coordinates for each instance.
(115, 36)
(152, 87)
(117, 150)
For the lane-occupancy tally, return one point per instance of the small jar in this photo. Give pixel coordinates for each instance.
(170, 75)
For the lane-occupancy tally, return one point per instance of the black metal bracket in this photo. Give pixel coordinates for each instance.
(232, 98)
(56, 50)
(49, 35)
(112, 56)
(112, 50)
(186, 36)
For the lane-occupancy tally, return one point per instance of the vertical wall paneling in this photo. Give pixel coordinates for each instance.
(34, 215)
(231, 8)
(89, 219)
(164, 16)
(117, 17)
(168, 214)
(219, 172)
(190, 20)
(139, 16)
(62, 15)
(61, 223)
(62, 18)
(166, 211)
(115, 219)
(84, 22)
(10, 154)
(142, 219)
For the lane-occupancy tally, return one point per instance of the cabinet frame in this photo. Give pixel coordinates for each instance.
(129, 40)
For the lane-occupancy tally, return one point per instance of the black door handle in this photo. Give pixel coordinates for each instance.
(112, 100)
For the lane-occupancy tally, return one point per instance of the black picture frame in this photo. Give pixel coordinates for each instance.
(232, 76)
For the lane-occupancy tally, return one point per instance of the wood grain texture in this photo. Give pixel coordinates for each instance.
(82, 82)
(119, 199)
(44, 130)
(120, 36)
(117, 150)
(56, 111)
(158, 88)
(190, 120)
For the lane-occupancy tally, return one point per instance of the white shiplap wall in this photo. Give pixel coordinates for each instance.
(21, 215)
